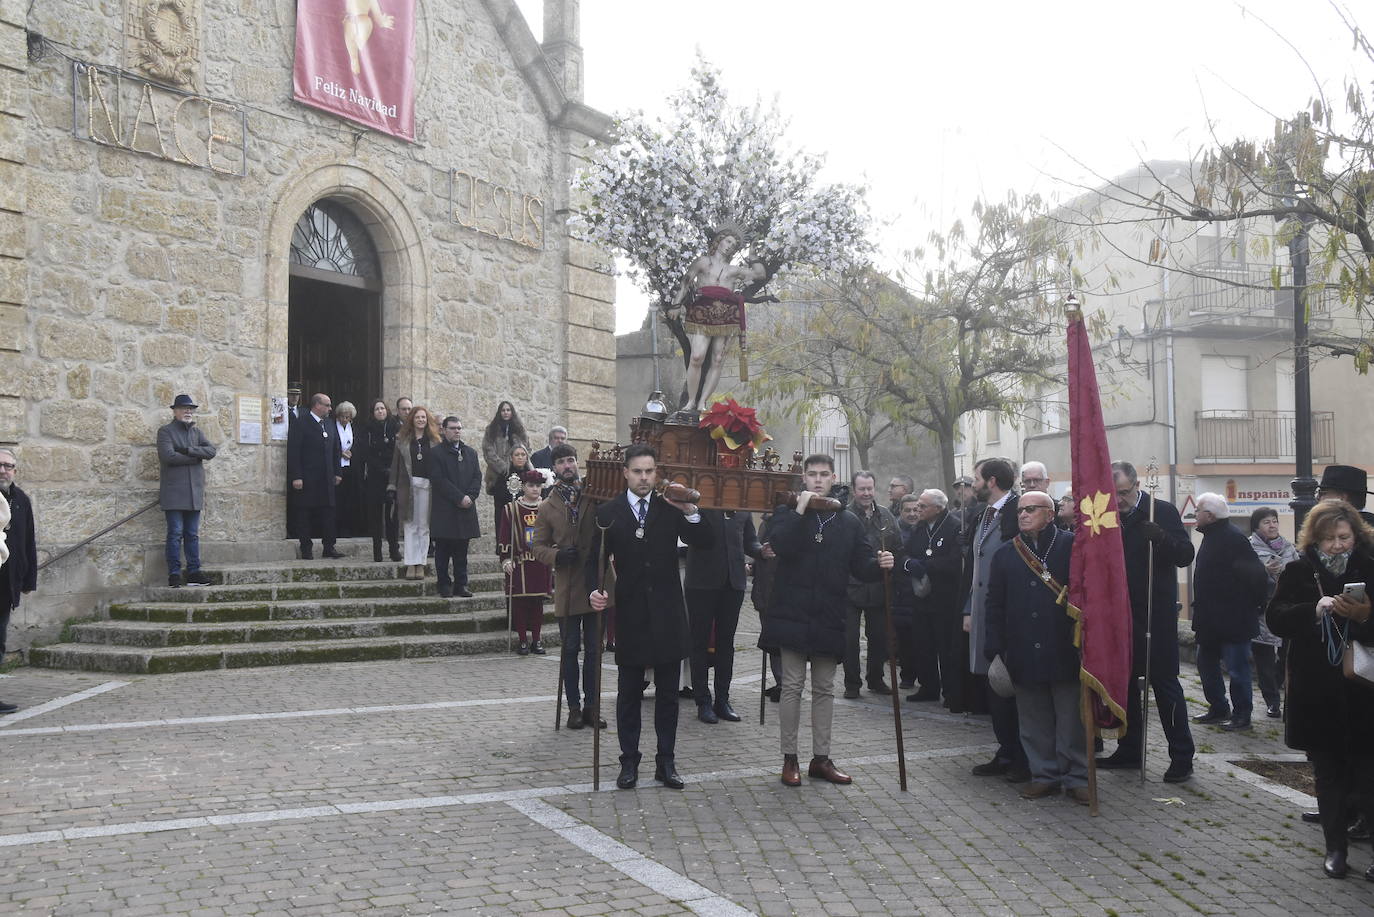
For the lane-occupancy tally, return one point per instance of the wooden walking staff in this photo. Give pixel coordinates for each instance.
(892, 671)
(1085, 709)
(600, 616)
(1151, 484)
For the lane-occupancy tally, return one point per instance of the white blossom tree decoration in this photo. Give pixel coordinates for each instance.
(658, 194)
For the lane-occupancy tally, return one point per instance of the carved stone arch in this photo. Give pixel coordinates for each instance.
(404, 270)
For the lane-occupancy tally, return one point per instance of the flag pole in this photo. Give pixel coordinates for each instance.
(1085, 706)
(1151, 484)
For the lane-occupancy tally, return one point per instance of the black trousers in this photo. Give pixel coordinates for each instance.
(5, 610)
(314, 519)
(908, 659)
(1006, 726)
(579, 632)
(939, 665)
(629, 694)
(718, 608)
(1173, 716)
(1267, 672)
(451, 552)
(875, 629)
(1344, 781)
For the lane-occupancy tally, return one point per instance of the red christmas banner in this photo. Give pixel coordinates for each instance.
(1098, 596)
(356, 59)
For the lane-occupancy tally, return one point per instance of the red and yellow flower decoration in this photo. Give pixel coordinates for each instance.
(734, 425)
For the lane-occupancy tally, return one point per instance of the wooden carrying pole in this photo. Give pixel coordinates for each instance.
(891, 629)
(600, 616)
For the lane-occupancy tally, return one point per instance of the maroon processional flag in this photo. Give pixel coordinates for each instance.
(1098, 597)
(356, 59)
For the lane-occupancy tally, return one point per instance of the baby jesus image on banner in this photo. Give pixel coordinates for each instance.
(356, 59)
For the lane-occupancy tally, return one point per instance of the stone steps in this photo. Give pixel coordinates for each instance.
(96, 657)
(291, 612)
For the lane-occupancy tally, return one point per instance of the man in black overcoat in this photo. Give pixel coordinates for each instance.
(641, 530)
(715, 584)
(1173, 550)
(817, 554)
(312, 464)
(456, 482)
(934, 551)
(19, 572)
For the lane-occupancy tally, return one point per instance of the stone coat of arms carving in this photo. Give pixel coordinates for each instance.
(162, 39)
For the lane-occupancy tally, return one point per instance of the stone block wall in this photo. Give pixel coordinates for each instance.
(126, 278)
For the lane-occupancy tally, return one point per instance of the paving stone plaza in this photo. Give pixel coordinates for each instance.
(440, 787)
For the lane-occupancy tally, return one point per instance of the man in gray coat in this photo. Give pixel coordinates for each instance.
(182, 451)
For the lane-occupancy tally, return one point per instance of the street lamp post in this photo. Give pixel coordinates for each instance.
(1304, 485)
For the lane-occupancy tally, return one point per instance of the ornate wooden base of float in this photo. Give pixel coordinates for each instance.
(688, 455)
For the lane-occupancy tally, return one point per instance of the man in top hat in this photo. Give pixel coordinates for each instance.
(1347, 484)
(182, 450)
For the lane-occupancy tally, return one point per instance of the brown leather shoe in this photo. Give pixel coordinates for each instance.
(824, 769)
(1039, 790)
(791, 770)
(1079, 794)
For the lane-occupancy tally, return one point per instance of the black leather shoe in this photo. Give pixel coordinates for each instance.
(629, 776)
(1018, 775)
(590, 721)
(1312, 818)
(574, 717)
(197, 578)
(1274, 712)
(880, 688)
(7, 708)
(1179, 771)
(1237, 724)
(1212, 717)
(686, 691)
(774, 693)
(463, 592)
(706, 714)
(175, 580)
(445, 592)
(331, 554)
(726, 712)
(667, 775)
(1335, 865)
(1118, 762)
(537, 647)
(396, 556)
(1358, 830)
(994, 768)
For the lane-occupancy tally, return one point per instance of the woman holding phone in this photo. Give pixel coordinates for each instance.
(1321, 602)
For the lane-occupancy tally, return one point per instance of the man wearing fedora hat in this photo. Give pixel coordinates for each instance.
(182, 450)
(1347, 484)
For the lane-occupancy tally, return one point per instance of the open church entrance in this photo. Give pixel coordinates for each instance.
(334, 329)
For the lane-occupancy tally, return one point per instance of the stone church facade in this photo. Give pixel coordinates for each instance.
(172, 221)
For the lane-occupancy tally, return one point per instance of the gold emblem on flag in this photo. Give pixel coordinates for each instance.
(1099, 516)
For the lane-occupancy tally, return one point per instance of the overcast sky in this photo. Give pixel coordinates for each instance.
(933, 104)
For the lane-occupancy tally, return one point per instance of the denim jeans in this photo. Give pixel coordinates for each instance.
(183, 527)
(1236, 656)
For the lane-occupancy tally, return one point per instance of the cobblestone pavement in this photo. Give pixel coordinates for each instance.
(441, 787)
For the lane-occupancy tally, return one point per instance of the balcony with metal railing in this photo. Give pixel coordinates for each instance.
(1261, 436)
(1232, 293)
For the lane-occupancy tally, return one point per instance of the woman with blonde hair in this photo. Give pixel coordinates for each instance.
(348, 493)
(410, 470)
(1320, 603)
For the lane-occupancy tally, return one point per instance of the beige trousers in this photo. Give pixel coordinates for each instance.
(822, 701)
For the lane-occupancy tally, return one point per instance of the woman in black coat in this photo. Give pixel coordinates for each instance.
(375, 445)
(1326, 714)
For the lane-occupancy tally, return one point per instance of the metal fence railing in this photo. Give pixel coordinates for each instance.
(1257, 436)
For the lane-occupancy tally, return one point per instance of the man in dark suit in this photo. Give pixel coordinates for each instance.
(934, 553)
(1173, 549)
(312, 462)
(19, 572)
(544, 457)
(456, 482)
(641, 530)
(715, 591)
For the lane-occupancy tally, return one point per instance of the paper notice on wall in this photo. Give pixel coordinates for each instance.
(279, 418)
(249, 409)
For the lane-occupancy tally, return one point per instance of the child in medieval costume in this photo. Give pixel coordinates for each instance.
(528, 582)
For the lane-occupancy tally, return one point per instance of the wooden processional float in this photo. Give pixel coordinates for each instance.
(689, 457)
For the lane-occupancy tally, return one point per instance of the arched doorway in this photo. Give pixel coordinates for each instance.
(334, 328)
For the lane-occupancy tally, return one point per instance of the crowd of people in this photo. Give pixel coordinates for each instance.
(974, 581)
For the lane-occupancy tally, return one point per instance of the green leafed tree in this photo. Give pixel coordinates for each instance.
(971, 324)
